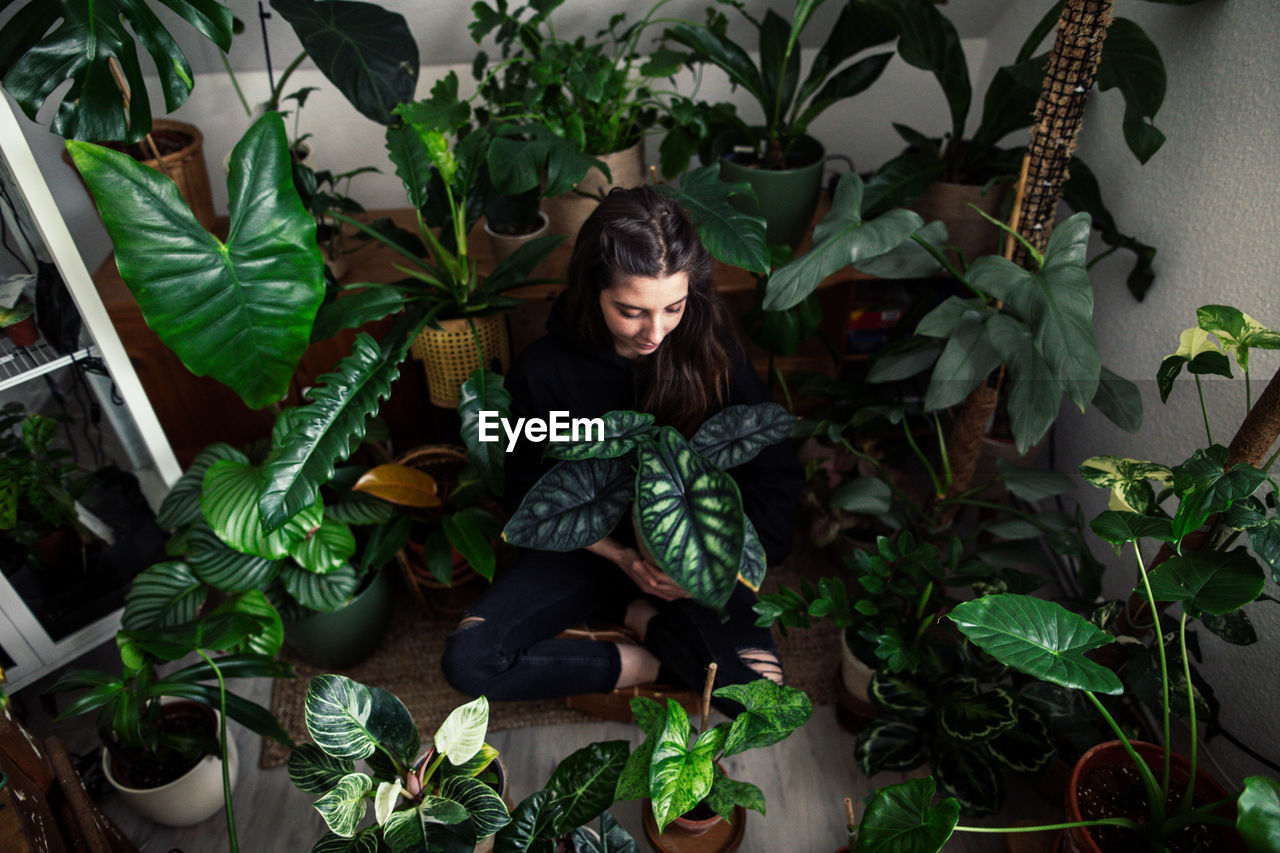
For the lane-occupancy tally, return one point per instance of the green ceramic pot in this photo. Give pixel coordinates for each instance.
(348, 635)
(788, 197)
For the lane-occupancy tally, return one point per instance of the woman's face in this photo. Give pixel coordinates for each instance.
(640, 312)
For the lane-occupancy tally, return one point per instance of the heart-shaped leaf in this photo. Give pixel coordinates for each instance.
(240, 310)
(1127, 479)
(1258, 819)
(770, 712)
(486, 810)
(181, 506)
(532, 825)
(572, 505)
(315, 772)
(344, 806)
(583, 784)
(902, 818)
(1041, 638)
(1237, 331)
(681, 776)
(736, 434)
(1120, 528)
(461, 734)
(349, 720)
(966, 360)
(1216, 582)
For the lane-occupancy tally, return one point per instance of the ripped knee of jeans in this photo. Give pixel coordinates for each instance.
(468, 621)
(763, 663)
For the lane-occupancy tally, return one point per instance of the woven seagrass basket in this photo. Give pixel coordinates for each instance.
(448, 354)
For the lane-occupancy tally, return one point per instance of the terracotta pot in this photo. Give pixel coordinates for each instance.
(706, 836)
(568, 211)
(189, 799)
(24, 332)
(1112, 753)
(966, 230)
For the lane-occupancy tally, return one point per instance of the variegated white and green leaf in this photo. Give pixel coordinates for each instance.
(1237, 331)
(473, 767)
(899, 692)
(726, 794)
(350, 720)
(409, 829)
(486, 809)
(461, 734)
(1025, 747)
(314, 771)
(344, 806)
(1128, 479)
(386, 800)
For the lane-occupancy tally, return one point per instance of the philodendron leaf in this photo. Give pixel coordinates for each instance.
(572, 505)
(163, 594)
(966, 360)
(366, 51)
(461, 734)
(1119, 400)
(349, 720)
(1131, 63)
(230, 505)
(1266, 543)
(583, 784)
(481, 760)
(1237, 331)
(1120, 528)
(486, 810)
(1041, 638)
(240, 310)
(651, 717)
(314, 771)
(887, 743)
(736, 434)
(1035, 394)
(770, 712)
(1056, 301)
(327, 428)
(531, 827)
(622, 431)
(484, 392)
(680, 776)
(325, 548)
(730, 235)
(840, 239)
(727, 794)
(1128, 480)
(181, 506)
(367, 840)
(611, 838)
(344, 805)
(89, 44)
(1215, 582)
(1204, 487)
(902, 818)
(1258, 818)
(1201, 355)
(690, 518)
(409, 829)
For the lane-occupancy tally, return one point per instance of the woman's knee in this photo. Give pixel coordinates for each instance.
(470, 657)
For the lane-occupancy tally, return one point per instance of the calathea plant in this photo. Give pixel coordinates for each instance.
(580, 789)
(688, 510)
(440, 802)
(676, 768)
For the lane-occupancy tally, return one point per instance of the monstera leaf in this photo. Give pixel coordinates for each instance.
(690, 518)
(364, 50)
(840, 239)
(349, 720)
(730, 235)
(50, 41)
(736, 434)
(240, 310)
(1040, 638)
(573, 505)
(325, 430)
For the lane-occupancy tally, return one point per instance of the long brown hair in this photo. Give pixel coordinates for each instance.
(642, 233)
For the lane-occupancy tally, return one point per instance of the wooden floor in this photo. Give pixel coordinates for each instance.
(804, 779)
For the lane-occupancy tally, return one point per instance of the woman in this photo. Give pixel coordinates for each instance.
(638, 327)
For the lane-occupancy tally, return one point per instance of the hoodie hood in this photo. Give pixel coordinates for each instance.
(558, 326)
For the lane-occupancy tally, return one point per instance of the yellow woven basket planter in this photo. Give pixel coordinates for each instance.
(448, 355)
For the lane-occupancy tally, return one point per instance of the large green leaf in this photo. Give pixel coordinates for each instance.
(1119, 400)
(45, 43)
(230, 506)
(523, 155)
(1041, 638)
(315, 772)
(929, 41)
(680, 776)
(583, 784)
(1131, 63)
(902, 818)
(532, 826)
(901, 181)
(736, 434)
(1204, 486)
(241, 310)
(163, 594)
(888, 743)
(623, 430)
(1119, 527)
(1056, 301)
(731, 235)
(572, 505)
(461, 735)
(1266, 542)
(1216, 582)
(690, 518)
(322, 593)
(345, 804)
(652, 719)
(181, 506)
(855, 30)
(965, 362)
(845, 83)
(722, 52)
(1035, 394)
(1258, 820)
(223, 567)
(484, 392)
(471, 533)
(364, 50)
(840, 239)
(349, 720)
(325, 548)
(335, 420)
(770, 712)
(486, 810)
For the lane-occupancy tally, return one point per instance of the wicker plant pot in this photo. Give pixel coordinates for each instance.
(966, 229)
(448, 354)
(447, 601)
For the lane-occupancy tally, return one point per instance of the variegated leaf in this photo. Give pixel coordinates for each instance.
(223, 567)
(350, 720)
(461, 734)
(314, 771)
(486, 809)
(344, 806)
(323, 593)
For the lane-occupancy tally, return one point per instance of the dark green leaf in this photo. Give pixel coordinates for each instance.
(229, 503)
(966, 360)
(1131, 63)
(1119, 400)
(1120, 528)
(181, 506)
(161, 595)
(1026, 746)
(611, 838)
(890, 744)
(485, 809)
(977, 717)
(901, 693)
(736, 434)
(313, 771)
(484, 392)
(583, 784)
(1035, 394)
(770, 713)
(532, 826)
(1234, 628)
(732, 235)
(903, 361)
(972, 779)
(325, 548)
(323, 593)
(1214, 582)
(349, 720)
(901, 181)
(622, 431)
(929, 41)
(572, 505)
(727, 794)
(1031, 484)
(903, 819)
(1258, 820)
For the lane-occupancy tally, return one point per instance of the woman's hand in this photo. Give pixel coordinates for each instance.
(648, 577)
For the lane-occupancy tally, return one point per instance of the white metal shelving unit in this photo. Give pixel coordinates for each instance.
(24, 639)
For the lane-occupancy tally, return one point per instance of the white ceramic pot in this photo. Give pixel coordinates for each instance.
(189, 799)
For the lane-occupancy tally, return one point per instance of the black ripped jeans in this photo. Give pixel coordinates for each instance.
(507, 646)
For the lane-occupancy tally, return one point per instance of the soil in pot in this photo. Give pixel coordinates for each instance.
(141, 769)
(1118, 790)
(167, 142)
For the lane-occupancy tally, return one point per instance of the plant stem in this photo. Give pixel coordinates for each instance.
(933, 477)
(942, 450)
(1248, 394)
(1155, 796)
(1204, 412)
(782, 383)
(1188, 798)
(274, 103)
(1203, 814)
(1102, 821)
(235, 84)
(1164, 669)
(232, 842)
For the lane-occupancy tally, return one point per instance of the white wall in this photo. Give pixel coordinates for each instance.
(1207, 201)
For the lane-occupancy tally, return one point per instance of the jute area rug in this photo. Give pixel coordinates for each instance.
(408, 664)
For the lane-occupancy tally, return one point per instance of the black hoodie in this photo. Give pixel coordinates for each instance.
(559, 372)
